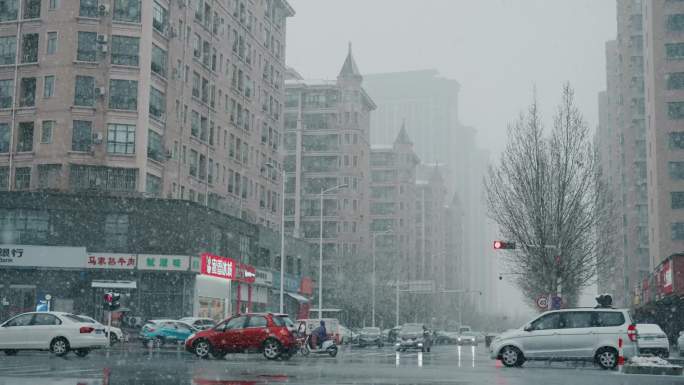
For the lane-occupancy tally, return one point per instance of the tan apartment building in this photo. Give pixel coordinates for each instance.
(664, 79)
(168, 98)
(392, 208)
(327, 128)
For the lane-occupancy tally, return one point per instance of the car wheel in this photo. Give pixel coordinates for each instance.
(82, 352)
(202, 349)
(10, 352)
(304, 350)
(158, 342)
(332, 351)
(272, 349)
(219, 355)
(113, 339)
(422, 350)
(59, 346)
(428, 349)
(607, 358)
(511, 356)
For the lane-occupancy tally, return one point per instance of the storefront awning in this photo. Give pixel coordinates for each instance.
(300, 298)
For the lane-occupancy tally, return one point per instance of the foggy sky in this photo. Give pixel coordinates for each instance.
(497, 49)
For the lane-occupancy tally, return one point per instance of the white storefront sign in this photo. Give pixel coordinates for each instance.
(42, 256)
(111, 261)
(163, 262)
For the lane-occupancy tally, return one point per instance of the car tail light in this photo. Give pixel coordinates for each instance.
(632, 332)
(86, 329)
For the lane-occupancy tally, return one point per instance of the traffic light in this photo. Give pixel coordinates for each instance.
(112, 301)
(503, 245)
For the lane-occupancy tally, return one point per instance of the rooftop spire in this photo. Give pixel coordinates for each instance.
(402, 137)
(349, 68)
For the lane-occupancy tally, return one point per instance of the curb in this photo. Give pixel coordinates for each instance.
(655, 370)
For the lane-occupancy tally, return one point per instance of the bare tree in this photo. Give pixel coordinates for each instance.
(545, 192)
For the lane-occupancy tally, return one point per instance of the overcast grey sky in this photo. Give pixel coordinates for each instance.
(497, 49)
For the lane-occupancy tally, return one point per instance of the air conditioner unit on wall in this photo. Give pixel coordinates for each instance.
(100, 91)
(97, 138)
(104, 9)
(102, 39)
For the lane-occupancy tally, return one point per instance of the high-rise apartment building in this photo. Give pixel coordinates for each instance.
(327, 130)
(179, 99)
(664, 80)
(392, 208)
(622, 142)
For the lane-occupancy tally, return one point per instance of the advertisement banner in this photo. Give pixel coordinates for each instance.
(111, 261)
(667, 277)
(42, 256)
(219, 267)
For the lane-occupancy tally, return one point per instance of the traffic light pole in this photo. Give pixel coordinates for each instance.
(109, 329)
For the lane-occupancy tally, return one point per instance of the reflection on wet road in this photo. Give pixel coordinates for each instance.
(443, 365)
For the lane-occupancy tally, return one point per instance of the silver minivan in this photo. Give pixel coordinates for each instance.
(570, 334)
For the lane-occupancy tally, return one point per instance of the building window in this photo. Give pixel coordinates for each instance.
(9, 10)
(54, 4)
(153, 185)
(160, 18)
(676, 140)
(125, 50)
(49, 176)
(675, 110)
(82, 135)
(8, 49)
(6, 93)
(51, 43)
(27, 92)
(4, 178)
(48, 86)
(29, 48)
(84, 91)
(25, 138)
(676, 170)
(4, 137)
(159, 60)
(195, 85)
(674, 51)
(87, 46)
(121, 139)
(193, 163)
(105, 178)
(116, 231)
(24, 226)
(32, 9)
(46, 131)
(157, 104)
(88, 8)
(22, 178)
(123, 94)
(675, 22)
(155, 150)
(127, 11)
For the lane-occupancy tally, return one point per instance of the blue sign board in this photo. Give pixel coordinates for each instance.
(291, 283)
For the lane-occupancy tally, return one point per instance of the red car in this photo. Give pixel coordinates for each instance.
(264, 332)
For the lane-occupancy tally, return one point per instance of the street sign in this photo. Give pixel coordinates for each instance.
(556, 302)
(543, 302)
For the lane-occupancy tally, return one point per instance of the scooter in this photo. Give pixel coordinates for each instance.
(328, 347)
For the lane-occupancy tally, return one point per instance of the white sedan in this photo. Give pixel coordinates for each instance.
(117, 334)
(57, 332)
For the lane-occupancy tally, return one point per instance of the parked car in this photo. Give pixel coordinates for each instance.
(652, 339)
(115, 335)
(414, 336)
(157, 333)
(267, 333)
(467, 338)
(57, 332)
(199, 323)
(370, 336)
(345, 335)
(442, 337)
(570, 334)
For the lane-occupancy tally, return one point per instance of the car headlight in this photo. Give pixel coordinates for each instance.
(420, 344)
(459, 338)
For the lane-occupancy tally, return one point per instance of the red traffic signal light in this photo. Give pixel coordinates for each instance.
(108, 297)
(503, 245)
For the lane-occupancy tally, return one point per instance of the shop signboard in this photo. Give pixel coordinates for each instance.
(245, 273)
(217, 266)
(667, 277)
(111, 261)
(42, 256)
(290, 284)
(306, 286)
(263, 278)
(163, 262)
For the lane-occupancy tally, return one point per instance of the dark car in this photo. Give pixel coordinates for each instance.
(264, 332)
(370, 336)
(414, 337)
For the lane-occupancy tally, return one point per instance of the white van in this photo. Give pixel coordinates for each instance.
(570, 334)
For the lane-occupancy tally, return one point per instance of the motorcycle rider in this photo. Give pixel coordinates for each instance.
(319, 335)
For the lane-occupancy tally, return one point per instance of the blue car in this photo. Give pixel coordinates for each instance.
(156, 333)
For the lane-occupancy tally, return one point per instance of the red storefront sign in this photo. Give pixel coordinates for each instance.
(216, 266)
(306, 286)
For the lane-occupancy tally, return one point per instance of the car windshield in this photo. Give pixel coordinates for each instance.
(370, 330)
(411, 329)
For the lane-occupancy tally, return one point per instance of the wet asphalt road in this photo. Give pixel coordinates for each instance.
(134, 365)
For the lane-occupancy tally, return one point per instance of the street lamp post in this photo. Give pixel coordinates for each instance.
(320, 250)
(373, 280)
(282, 239)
